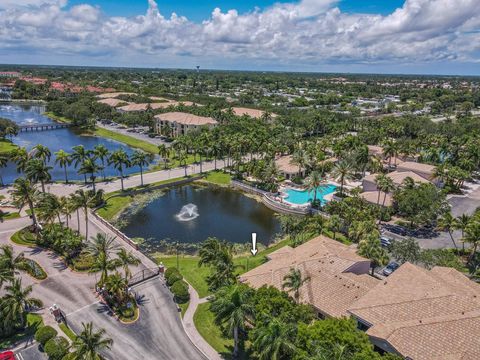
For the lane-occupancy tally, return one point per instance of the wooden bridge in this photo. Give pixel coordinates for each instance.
(43, 127)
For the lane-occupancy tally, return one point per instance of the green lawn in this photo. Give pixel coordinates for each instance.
(67, 331)
(60, 119)
(23, 237)
(34, 322)
(130, 141)
(183, 307)
(196, 276)
(6, 146)
(205, 324)
(218, 177)
(10, 215)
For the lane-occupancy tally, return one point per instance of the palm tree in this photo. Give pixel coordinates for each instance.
(20, 157)
(24, 193)
(101, 152)
(102, 264)
(125, 259)
(89, 166)
(448, 223)
(49, 208)
(10, 263)
(119, 159)
(472, 236)
(102, 244)
(342, 171)
(37, 171)
(117, 286)
(89, 343)
(371, 248)
(300, 158)
(390, 151)
(379, 180)
(63, 159)
(3, 164)
(141, 159)
(41, 152)
(233, 307)
(164, 152)
(293, 281)
(74, 205)
(275, 341)
(85, 200)
(16, 304)
(461, 224)
(386, 186)
(182, 159)
(313, 181)
(78, 156)
(66, 208)
(335, 224)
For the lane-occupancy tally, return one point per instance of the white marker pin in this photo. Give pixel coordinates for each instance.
(254, 244)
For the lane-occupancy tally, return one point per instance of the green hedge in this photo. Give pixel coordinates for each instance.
(44, 334)
(172, 275)
(180, 292)
(56, 348)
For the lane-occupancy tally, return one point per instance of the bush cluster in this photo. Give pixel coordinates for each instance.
(56, 348)
(44, 334)
(172, 275)
(180, 292)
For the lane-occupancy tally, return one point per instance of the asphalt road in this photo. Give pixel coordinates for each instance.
(158, 334)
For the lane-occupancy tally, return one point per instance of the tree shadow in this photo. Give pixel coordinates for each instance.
(141, 300)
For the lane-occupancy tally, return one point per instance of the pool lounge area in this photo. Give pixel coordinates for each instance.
(304, 197)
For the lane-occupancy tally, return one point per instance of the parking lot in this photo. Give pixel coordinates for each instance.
(140, 133)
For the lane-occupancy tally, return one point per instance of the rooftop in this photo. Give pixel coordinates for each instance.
(373, 197)
(416, 166)
(285, 164)
(112, 102)
(424, 314)
(114, 95)
(254, 113)
(186, 118)
(398, 177)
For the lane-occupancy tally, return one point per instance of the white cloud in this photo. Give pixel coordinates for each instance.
(305, 33)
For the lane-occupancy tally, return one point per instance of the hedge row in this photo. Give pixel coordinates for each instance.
(178, 286)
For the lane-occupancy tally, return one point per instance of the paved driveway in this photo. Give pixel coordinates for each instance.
(158, 334)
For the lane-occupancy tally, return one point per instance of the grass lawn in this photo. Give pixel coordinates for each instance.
(10, 215)
(205, 324)
(196, 276)
(218, 177)
(23, 237)
(60, 119)
(67, 331)
(130, 141)
(34, 322)
(6, 146)
(183, 307)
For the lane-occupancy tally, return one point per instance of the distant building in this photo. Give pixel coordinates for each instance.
(254, 113)
(10, 74)
(181, 123)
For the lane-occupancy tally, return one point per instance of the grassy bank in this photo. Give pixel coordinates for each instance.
(60, 119)
(196, 276)
(34, 322)
(218, 177)
(128, 140)
(6, 146)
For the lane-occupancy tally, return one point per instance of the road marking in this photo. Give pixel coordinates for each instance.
(83, 307)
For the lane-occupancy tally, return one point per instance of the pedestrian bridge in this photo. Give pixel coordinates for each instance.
(42, 127)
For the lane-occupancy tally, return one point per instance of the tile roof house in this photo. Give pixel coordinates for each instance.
(254, 113)
(181, 123)
(423, 314)
(424, 170)
(397, 177)
(114, 95)
(338, 276)
(288, 168)
(112, 102)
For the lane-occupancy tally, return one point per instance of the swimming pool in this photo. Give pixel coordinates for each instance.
(302, 197)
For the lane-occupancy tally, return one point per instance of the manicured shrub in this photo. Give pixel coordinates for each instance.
(56, 348)
(173, 277)
(44, 334)
(180, 292)
(170, 271)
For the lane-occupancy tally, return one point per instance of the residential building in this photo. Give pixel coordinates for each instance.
(254, 113)
(398, 177)
(180, 123)
(287, 168)
(424, 170)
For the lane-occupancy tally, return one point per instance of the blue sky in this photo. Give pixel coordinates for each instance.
(387, 36)
(200, 10)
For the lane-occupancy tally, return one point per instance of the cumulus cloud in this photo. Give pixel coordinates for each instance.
(307, 32)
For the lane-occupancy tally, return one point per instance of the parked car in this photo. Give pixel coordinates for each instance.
(7, 355)
(390, 268)
(386, 241)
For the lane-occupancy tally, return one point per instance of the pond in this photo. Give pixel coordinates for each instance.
(192, 213)
(55, 140)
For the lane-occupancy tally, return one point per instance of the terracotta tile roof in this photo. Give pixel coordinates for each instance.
(254, 113)
(186, 119)
(112, 102)
(415, 166)
(398, 177)
(285, 164)
(372, 197)
(331, 288)
(114, 95)
(424, 314)
(134, 107)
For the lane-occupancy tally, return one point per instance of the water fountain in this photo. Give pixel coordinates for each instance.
(188, 213)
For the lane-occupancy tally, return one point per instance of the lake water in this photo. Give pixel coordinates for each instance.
(216, 211)
(55, 140)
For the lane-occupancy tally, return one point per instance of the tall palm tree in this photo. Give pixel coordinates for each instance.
(300, 158)
(41, 152)
(66, 208)
(233, 307)
(313, 181)
(461, 224)
(293, 281)
(102, 264)
(371, 248)
(24, 193)
(20, 157)
(16, 304)
(63, 159)
(386, 186)
(472, 236)
(275, 341)
(9, 262)
(89, 343)
(37, 171)
(448, 223)
(101, 152)
(102, 243)
(3, 164)
(390, 151)
(380, 179)
(125, 259)
(78, 156)
(89, 166)
(85, 200)
(342, 171)
(117, 285)
(49, 208)
(182, 159)
(74, 205)
(141, 159)
(164, 152)
(119, 159)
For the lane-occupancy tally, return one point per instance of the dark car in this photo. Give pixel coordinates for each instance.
(390, 268)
